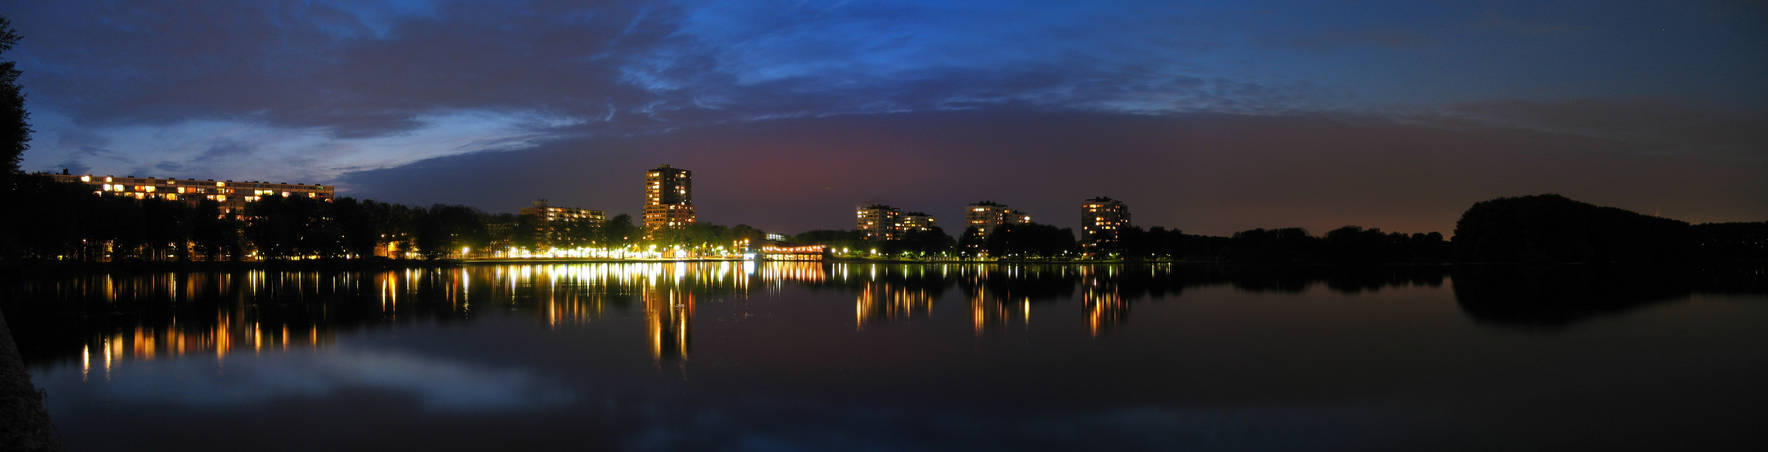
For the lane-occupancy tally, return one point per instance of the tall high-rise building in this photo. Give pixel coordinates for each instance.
(669, 198)
(563, 227)
(982, 217)
(878, 222)
(1102, 221)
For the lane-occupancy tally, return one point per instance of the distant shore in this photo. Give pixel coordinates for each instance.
(27, 269)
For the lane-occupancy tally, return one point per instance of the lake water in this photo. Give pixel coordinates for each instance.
(833, 356)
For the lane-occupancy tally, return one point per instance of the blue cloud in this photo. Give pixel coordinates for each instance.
(340, 79)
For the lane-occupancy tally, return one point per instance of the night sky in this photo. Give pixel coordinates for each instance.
(1211, 117)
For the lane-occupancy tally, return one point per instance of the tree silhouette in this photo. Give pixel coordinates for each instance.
(834, 239)
(1030, 240)
(619, 232)
(446, 229)
(931, 241)
(1551, 228)
(15, 127)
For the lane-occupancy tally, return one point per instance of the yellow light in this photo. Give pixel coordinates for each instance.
(86, 178)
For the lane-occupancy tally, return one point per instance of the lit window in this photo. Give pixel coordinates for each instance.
(86, 178)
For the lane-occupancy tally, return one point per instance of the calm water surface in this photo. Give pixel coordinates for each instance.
(898, 357)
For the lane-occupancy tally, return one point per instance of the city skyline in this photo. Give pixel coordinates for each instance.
(883, 224)
(1212, 118)
(664, 194)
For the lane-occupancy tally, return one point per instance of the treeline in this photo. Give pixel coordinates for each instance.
(1530, 229)
(65, 221)
(1023, 241)
(49, 219)
(917, 244)
(1346, 245)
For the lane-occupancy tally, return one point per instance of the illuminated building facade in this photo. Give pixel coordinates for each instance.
(232, 196)
(669, 198)
(879, 222)
(882, 222)
(917, 221)
(563, 226)
(793, 253)
(986, 215)
(1102, 221)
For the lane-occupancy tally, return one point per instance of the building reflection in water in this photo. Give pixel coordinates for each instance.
(219, 314)
(891, 292)
(997, 295)
(1104, 304)
(884, 301)
(102, 321)
(667, 316)
(193, 314)
(1002, 294)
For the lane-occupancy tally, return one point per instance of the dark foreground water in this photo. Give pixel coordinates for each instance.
(901, 357)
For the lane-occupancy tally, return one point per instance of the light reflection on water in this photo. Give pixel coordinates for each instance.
(689, 353)
(564, 294)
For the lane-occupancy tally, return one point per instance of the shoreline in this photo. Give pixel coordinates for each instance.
(28, 269)
(28, 426)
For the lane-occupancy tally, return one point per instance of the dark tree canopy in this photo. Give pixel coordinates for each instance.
(15, 127)
(834, 239)
(1551, 228)
(619, 231)
(1028, 240)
